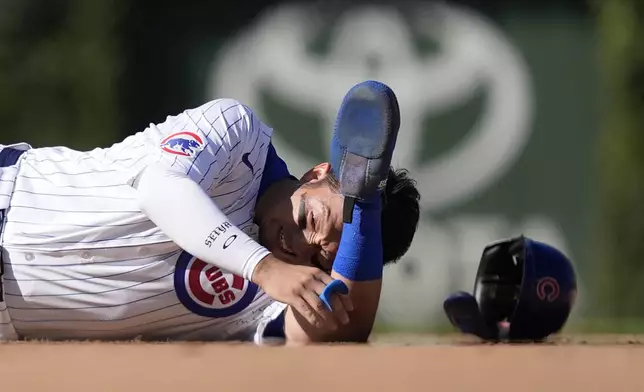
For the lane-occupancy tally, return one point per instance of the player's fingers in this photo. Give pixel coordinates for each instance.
(346, 302)
(323, 277)
(339, 291)
(339, 310)
(306, 311)
(320, 309)
(315, 285)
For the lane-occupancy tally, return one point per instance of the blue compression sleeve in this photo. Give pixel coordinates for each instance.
(360, 256)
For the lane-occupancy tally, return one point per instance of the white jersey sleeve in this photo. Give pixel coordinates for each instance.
(197, 150)
(208, 142)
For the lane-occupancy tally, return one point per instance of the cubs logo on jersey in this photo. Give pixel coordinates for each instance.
(186, 144)
(206, 290)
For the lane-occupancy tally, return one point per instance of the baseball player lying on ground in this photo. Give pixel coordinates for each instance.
(194, 230)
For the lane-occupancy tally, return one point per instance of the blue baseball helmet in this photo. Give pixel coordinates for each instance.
(524, 291)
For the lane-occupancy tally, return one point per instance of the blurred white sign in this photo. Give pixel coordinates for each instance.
(271, 55)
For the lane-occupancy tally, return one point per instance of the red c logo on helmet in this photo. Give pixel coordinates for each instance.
(547, 289)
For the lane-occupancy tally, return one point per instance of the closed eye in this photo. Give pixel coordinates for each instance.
(301, 213)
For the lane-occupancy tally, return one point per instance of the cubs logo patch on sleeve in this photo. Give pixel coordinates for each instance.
(207, 291)
(186, 144)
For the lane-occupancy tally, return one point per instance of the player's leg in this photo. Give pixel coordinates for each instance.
(9, 156)
(7, 331)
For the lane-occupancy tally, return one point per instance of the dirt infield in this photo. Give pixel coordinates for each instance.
(398, 363)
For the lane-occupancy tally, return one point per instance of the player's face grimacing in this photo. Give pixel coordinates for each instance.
(302, 222)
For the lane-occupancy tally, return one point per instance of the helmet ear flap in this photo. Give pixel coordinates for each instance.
(463, 312)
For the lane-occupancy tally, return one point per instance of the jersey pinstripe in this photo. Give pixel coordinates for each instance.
(81, 260)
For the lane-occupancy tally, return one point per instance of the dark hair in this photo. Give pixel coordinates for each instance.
(400, 213)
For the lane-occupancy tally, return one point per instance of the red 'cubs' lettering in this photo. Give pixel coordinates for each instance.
(226, 297)
(220, 285)
(208, 291)
(213, 274)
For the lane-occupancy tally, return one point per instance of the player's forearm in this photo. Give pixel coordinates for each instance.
(359, 263)
(365, 297)
(185, 213)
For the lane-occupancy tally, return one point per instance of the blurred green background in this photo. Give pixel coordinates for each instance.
(518, 117)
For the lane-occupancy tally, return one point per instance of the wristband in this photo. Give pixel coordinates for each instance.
(360, 255)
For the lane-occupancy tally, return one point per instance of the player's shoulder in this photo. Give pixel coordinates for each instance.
(230, 116)
(228, 107)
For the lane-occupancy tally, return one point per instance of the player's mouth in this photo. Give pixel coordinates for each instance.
(285, 248)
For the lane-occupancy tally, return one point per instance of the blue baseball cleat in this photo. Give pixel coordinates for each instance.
(363, 142)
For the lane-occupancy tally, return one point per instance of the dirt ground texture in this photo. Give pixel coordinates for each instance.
(389, 363)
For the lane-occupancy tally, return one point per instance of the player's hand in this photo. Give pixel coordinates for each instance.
(300, 287)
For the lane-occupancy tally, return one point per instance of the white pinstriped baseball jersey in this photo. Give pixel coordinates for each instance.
(82, 261)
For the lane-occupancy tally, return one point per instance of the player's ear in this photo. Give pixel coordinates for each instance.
(316, 173)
